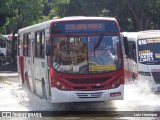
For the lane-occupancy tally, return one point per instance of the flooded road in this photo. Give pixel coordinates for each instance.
(138, 97)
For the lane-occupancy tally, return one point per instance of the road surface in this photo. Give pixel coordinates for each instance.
(138, 97)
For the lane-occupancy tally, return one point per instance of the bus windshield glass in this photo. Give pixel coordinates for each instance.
(149, 51)
(86, 54)
(2, 43)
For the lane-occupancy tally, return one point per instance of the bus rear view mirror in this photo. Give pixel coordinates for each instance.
(125, 41)
(48, 50)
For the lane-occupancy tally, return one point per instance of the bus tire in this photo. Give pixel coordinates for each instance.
(25, 81)
(44, 94)
(133, 77)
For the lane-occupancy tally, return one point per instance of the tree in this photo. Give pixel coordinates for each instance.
(136, 15)
(63, 8)
(5, 13)
(26, 12)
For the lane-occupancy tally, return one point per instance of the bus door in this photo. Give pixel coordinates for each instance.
(20, 59)
(48, 83)
(132, 61)
(33, 61)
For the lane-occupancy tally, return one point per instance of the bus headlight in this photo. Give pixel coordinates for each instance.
(144, 73)
(63, 87)
(58, 83)
(113, 85)
(117, 82)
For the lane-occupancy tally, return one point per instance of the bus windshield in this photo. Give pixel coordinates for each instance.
(149, 51)
(2, 43)
(86, 54)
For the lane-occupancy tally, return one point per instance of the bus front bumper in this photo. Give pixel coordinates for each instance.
(59, 96)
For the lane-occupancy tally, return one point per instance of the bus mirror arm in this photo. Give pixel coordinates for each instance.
(133, 55)
(125, 41)
(48, 50)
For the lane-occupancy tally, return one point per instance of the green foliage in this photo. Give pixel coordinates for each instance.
(4, 11)
(20, 13)
(132, 15)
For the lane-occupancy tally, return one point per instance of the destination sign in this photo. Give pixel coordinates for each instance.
(155, 40)
(90, 27)
(85, 27)
(148, 41)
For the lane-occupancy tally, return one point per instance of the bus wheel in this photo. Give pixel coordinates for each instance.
(27, 85)
(133, 77)
(44, 94)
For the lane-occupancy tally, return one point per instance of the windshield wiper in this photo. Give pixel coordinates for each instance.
(98, 43)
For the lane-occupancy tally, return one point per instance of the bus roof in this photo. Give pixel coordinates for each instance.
(35, 27)
(149, 34)
(85, 18)
(146, 31)
(46, 24)
(132, 36)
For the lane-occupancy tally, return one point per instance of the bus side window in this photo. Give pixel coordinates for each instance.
(37, 44)
(3, 43)
(29, 44)
(126, 46)
(25, 44)
(42, 41)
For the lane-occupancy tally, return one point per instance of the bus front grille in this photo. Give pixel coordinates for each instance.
(156, 76)
(89, 95)
(87, 80)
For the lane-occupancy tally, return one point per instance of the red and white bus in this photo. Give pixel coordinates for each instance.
(72, 59)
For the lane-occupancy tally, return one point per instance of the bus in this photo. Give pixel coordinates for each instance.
(142, 60)
(5, 45)
(72, 59)
(130, 58)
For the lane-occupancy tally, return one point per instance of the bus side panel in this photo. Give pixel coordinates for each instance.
(27, 69)
(39, 68)
(39, 75)
(32, 67)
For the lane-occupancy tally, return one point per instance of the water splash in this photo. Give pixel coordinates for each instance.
(138, 96)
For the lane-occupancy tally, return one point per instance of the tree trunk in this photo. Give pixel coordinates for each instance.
(14, 48)
(138, 20)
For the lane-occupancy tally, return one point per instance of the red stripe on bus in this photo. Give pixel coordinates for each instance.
(21, 67)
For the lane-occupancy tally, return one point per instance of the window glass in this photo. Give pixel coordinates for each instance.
(37, 44)
(86, 54)
(29, 44)
(25, 44)
(42, 43)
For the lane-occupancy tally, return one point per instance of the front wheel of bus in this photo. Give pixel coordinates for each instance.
(134, 77)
